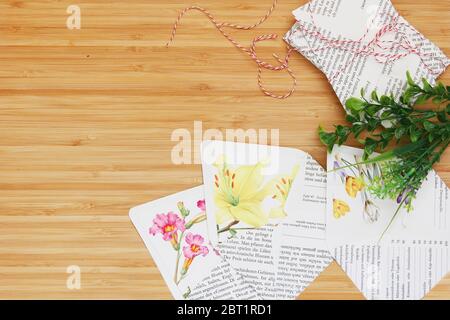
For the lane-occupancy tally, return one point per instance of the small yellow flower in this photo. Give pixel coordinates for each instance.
(340, 208)
(353, 186)
(281, 191)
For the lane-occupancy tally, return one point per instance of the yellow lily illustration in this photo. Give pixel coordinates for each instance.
(283, 185)
(340, 208)
(353, 185)
(239, 194)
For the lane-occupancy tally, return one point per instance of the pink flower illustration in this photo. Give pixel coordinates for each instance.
(168, 225)
(193, 249)
(201, 205)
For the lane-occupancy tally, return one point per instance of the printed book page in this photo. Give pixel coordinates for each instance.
(289, 242)
(174, 230)
(246, 188)
(303, 252)
(386, 256)
(361, 20)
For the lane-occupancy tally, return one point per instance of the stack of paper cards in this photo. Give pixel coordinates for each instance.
(363, 44)
(387, 255)
(254, 230)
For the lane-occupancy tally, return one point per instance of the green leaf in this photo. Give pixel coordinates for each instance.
(421, 99)
(414, 134)
(327, 138)
(351, 119)
(438, 100)
(409, 79)
(426, 85)
(342, 134)
(429, 115)
(355, 105)
(374, 96)
(372, 109)
(428, 125)
(442, 116)
(440, 89)
(431, 137)
(370, 147)
(386, 114)
(372, 124)
(385, 100)
(387, 134)
(400, 132)
(357, 129)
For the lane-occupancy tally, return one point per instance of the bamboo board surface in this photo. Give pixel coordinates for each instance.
(86, 118)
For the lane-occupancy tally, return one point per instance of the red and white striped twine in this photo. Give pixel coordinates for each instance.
(284, 63)
(390, 50)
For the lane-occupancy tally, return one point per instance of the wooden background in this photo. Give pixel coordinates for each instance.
(86, 118)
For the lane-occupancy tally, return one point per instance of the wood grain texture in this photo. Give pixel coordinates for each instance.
(86, 118)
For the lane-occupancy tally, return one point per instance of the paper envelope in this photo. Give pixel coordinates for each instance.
(274, 241)
(174, 231)
(387, 257)
(326, 30)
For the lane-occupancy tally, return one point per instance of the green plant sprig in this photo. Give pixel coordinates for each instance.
(411, 140)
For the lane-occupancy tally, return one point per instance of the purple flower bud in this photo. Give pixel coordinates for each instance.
(400, 198)
(407, 200)
(402, 195)
(341, 173)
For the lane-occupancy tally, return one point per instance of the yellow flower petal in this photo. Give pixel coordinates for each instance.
(340, 208)
(353, 186)
(250, 213)
(223, 215)
(248, 181)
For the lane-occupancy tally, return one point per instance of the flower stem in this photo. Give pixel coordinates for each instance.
(228, 227)
(175, 277)
(392, 219)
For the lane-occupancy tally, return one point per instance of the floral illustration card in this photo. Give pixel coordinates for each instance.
(389, 253)
(247, 187)
(174, 230)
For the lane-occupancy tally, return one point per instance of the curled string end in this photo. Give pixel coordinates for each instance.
(250, 51)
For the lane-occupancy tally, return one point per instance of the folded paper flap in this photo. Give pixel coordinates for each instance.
(357, 216)
(356, 19)
(395, 272)
(411, 257)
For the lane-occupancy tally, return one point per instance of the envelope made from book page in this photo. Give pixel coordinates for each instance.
(364, 44)
(174, 230)
(387, 255)
(247, 189)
